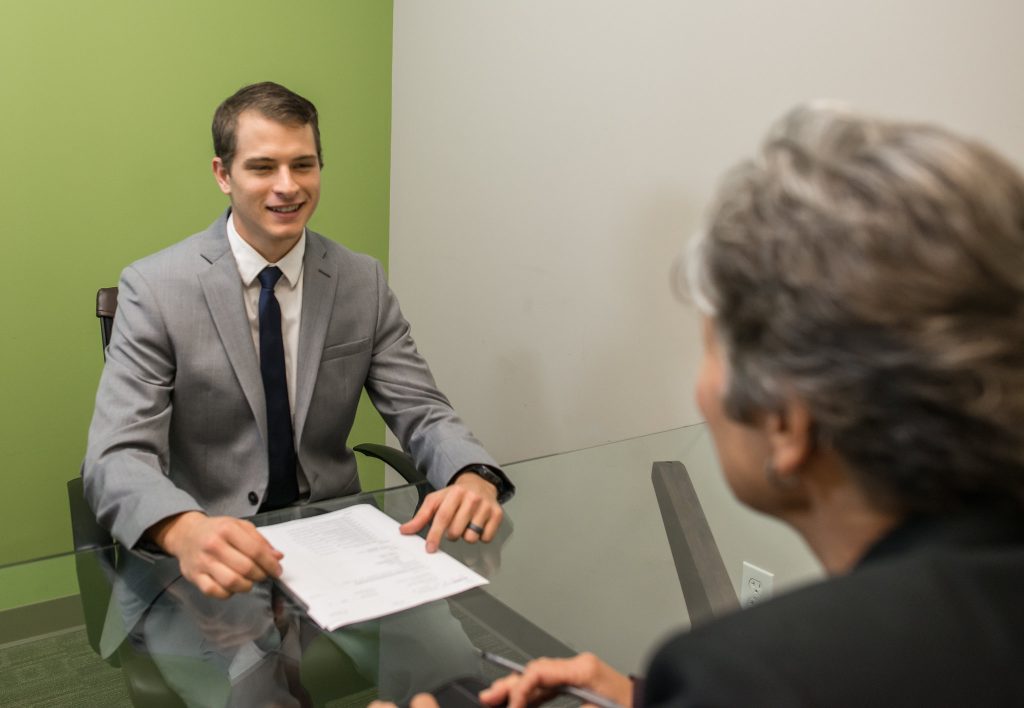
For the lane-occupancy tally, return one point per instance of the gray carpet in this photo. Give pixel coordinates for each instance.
(60, 669)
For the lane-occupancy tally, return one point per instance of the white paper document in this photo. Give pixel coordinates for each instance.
(353, 565)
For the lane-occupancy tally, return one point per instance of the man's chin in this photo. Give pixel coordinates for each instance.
(273, 244)
(290, 234)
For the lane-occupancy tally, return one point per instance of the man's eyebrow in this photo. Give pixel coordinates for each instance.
(260, 160)
(256, 160)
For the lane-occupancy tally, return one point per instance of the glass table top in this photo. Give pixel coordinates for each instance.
(582, 562)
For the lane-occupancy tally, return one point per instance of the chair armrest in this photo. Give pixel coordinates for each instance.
(86, 532)
(94, 565)
(396, 459)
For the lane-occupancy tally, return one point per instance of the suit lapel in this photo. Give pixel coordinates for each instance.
(222, 288)
(319, 285)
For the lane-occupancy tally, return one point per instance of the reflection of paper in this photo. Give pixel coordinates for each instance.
(353, 564)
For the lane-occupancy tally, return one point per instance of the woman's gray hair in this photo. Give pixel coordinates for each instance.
(875, 270)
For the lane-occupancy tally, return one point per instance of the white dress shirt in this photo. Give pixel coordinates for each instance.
(288, 292)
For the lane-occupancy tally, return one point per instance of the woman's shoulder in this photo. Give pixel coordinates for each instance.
(936, 623)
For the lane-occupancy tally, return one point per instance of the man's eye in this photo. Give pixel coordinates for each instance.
(260, 168)
(304, 166)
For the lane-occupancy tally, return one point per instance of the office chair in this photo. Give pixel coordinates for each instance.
(96, 557)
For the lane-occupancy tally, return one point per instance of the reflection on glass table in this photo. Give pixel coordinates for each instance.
(260, 648)
(582, 562)
(589, 560)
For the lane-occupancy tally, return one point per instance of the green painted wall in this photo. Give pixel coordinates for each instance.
(105, 152)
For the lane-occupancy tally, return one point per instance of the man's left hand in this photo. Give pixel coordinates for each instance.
(470, 499)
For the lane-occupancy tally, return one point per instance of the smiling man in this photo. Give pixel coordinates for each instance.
(236, 363)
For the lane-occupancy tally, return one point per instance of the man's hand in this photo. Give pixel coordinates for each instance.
(220, 555)
(470, 499)
(541, 678)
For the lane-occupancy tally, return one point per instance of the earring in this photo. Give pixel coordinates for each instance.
(772, 475)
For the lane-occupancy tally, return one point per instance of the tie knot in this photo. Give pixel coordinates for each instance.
(269, 277)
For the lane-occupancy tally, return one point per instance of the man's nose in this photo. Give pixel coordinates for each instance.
(285, 182)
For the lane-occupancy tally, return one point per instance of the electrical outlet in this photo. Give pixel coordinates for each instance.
(756, 586)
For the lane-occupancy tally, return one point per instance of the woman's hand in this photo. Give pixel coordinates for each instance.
(420, 700)
(541, 679)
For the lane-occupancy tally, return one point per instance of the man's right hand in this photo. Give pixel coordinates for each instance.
(221, 555)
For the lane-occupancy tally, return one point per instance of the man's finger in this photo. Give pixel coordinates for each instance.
(442, 519)
(497, 514)
(249, 554)
(229, 561)
(210, 587)
(267, 559)
(474, 529)
(467, 508)
(228, 578)
(423, 516)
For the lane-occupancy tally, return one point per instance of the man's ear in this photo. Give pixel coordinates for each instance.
(790, 437)
(222, 175)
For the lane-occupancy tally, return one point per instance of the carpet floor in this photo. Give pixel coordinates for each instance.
(58, 670)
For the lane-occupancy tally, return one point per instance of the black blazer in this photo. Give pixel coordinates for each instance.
(932, 616)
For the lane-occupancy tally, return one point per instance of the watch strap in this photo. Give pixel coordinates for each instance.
(506, 490)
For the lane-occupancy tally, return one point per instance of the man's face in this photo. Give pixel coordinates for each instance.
(274, 182)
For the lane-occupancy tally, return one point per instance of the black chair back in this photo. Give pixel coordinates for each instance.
(106, 306)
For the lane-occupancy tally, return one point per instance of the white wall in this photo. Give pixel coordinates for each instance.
(551, 156)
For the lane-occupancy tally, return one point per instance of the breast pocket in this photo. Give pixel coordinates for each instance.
(337, 351)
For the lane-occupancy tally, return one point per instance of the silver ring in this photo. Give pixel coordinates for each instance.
(473, 527)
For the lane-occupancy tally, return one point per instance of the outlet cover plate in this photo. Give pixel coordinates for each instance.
(756, 586)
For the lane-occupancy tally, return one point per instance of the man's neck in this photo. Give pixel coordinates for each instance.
(275, 251)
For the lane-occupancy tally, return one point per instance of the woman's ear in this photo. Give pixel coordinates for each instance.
(790, 438)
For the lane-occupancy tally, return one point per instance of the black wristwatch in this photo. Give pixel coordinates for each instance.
(506, 490)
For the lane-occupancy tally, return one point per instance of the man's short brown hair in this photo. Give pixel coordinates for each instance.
(272, 101)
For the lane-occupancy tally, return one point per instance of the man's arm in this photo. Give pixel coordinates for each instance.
(128, 449)
(128, 453)
(403, 390)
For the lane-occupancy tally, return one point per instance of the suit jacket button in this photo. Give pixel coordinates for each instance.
(253, 499)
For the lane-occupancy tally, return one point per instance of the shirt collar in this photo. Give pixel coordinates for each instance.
(250, 262)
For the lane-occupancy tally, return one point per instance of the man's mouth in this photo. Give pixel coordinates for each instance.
(288, 209)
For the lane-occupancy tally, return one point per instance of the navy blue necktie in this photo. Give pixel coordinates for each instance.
(282, 488)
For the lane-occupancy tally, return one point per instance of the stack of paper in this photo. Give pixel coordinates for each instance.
(353, 565)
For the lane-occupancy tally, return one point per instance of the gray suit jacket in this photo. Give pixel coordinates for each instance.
(180, 418)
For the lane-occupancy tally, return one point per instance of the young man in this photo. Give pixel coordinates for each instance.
(236, 363)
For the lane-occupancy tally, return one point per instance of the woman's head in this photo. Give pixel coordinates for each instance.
(874, 270)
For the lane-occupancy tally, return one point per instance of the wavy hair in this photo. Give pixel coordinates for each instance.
(875, 270)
